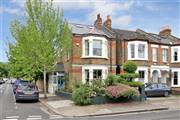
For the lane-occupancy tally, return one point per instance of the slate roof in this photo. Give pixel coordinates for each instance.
(129, 35)
(82, 29)
(142, 35)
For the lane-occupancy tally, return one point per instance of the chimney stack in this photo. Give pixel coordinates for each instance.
(98, 22)
(107, 23)
(165, 31)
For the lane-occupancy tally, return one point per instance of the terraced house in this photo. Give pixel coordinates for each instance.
(100, 50)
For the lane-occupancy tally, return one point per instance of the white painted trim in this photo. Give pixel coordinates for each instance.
(143, 68)
(159, 67)
(91, 68)
(172, 78)
(136, 43)
(172, 54)
(163, 46)
(104, 47)
(154, 46)
(79, 65)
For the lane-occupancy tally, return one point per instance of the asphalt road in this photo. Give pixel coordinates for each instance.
(10, 110)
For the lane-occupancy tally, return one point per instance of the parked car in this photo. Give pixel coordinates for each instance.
(157, 89)
(17, 83)
(27, 92)
(2, 81)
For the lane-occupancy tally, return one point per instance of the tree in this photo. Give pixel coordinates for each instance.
(41, 41)
(130, 68)
(3, 70)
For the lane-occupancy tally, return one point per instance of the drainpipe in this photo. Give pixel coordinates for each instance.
(111, 56)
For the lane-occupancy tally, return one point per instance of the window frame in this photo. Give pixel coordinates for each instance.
(91, 39)
(141, 48)
(176, 77)
(154, 54)
(136, 52)
(101, 45)
(164, 55)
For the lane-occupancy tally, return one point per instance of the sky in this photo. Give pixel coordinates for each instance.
(148, 15)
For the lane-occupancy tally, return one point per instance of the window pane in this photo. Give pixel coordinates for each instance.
(175, 55)
(141, 76)
(175, 78)
(86, 47)
(141, 50)
(97, 47)
(97, 74)
(132, 50)
(154, 54)
(87, 76)
(164, 55)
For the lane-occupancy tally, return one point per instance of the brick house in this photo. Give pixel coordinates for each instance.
(100, 50)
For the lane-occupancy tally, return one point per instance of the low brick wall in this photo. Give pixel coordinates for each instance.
(176, 90)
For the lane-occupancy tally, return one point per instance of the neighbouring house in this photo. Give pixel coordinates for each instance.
(100, 50)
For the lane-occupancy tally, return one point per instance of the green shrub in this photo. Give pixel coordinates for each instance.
(131, 93)
(98, 87)
(130, 66)
(82, 95)
(111, 80)
(135, 84)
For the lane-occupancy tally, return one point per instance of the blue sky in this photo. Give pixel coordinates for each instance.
(149, 15)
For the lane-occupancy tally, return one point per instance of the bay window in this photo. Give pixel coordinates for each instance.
(95, 47)
(137, 50)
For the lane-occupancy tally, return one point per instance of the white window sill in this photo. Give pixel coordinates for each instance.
(137, 59)
(175, 86)
(101, 57)
(175, 61)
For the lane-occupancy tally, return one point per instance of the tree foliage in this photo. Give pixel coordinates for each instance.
(40, 42)
(4, 70)
(130, 66)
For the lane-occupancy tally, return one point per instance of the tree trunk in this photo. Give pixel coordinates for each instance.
(45, 91)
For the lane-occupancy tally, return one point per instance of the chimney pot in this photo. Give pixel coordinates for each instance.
(165, 31)
(98, 22)
(107, 23)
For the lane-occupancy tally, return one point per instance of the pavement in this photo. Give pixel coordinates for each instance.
(67, 108)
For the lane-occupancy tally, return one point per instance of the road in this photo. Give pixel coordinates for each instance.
(10, 110)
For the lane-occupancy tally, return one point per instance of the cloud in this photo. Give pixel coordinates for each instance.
(19, 3)
(122, 20)
(9, 10)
